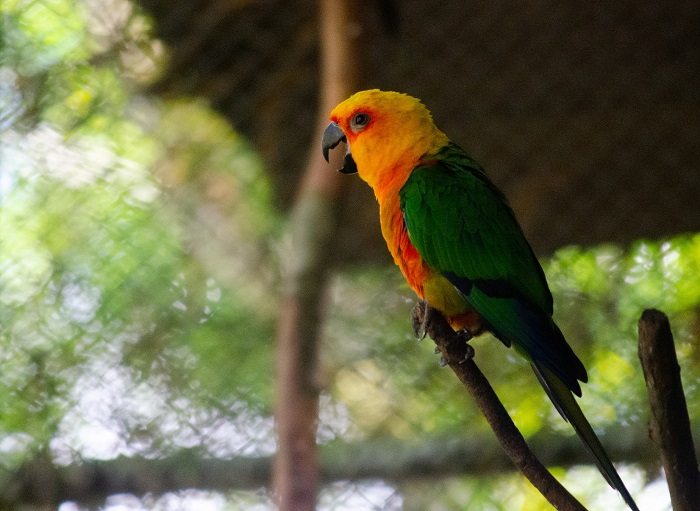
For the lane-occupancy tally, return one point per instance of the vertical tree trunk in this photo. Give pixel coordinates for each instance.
(305, 261)
(669, 426)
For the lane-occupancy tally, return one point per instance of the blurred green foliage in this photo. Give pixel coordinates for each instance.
(139, 286)
(117, 212)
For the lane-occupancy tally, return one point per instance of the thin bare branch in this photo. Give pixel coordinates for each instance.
(457, 354)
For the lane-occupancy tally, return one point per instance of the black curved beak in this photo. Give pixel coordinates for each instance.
(333, 136)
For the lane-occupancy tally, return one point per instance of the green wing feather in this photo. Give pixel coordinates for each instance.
(463, 227)
(460, 222)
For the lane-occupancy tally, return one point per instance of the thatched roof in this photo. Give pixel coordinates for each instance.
(587, 114)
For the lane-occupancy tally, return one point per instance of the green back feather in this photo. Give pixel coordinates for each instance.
(463, 227)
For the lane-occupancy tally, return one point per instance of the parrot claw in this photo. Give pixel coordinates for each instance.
(468, 354)
(464, 335)
(420, 318)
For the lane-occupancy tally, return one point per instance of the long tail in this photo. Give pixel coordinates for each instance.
(567, 406)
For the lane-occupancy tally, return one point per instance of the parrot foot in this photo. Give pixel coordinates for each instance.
(463, 336)
(465, 351)
(420, 319)
(468, 351)
(427, 321)
(457, 349)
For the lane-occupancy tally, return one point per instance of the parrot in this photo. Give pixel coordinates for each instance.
(455, 238)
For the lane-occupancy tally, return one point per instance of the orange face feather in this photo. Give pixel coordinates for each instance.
(399, 134)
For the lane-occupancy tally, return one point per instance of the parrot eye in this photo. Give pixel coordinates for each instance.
(359, 121)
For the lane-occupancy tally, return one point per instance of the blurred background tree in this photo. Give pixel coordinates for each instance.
(141, 238)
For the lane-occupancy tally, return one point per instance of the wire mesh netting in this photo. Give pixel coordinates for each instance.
(572, 109)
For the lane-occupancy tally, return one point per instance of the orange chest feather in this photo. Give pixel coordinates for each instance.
(427, 284)
(402, 250)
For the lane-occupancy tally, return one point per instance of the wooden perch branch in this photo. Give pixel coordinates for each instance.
(670, 426)
(456, 354)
